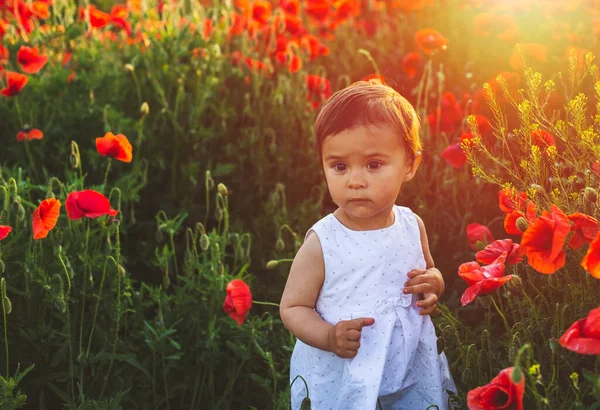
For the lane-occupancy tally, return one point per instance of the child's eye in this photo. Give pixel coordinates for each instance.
(374, 165)
(339, 166)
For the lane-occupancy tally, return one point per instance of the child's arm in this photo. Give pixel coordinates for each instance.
(429, 282)
(298, 302)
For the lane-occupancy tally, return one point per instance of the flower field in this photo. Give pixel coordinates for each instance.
(158, 172)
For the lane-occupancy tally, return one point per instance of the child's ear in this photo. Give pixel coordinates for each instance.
(412, 168)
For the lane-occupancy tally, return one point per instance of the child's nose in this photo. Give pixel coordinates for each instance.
(356, 179)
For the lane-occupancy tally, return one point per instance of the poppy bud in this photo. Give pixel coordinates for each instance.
(2, 266)
(515, 284)
(465, 376)
(222, 189)
(272, 264)
(7, 305)
(590, 194)
(130, 68)
(305, 404)
(74, 160)
(279, 245)
(144, 109)
(20, 213)
(204, 242)
(200, 228)
(219, 214)
(122, 270)
(536, 187)
(210, 183)
(522, 224)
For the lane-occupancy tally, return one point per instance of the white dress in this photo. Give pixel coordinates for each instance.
(397, 361)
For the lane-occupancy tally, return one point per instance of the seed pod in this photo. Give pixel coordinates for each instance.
(204, 242)
(280, 245)
(522, 224)
(272, 264)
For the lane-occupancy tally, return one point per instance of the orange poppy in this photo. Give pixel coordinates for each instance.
(585, 228)
(88, 203)
(45, 217)
(583, 336)
(430, 40)
(115, 146)
(544, 240)
(591, 260)
(4, 231)
(532, 51)
(238, 300)
(40, 9)
(28, 134)
(14, 83)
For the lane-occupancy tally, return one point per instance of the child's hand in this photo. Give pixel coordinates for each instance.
(429, 285)
(344, 337)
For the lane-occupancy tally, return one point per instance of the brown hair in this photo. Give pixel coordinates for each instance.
(369, 102)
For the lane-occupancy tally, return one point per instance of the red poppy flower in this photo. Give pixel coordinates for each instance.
(30, 60)
(261, 11)
(98, 18)
(542, 139)
(544, 240)
(115, 146)
(583, 336)
(478, 233)
(430, 40)
(497, 248)
(40, 9)
(4, 231)
(585, 228)
(449, 115)
(500, 393)
(28, 134)
(411, 63)
(509, 201)
(14, 83)
(482, 279)
(238, 300)
(45, 217)
(88, 203)
(454, 155)
(591, 260)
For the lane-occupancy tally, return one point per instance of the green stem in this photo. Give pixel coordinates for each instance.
(5, 325)
(32, 168)
(501, 314)
(68, 326)
(87, 240)
(87, 352)
(265, 303)
(106, 176)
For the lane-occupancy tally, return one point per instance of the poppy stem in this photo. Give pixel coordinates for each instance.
(3, 288)
(106, 176)
(501, 314)
(265, 303)
(68, 313)
(32, 169)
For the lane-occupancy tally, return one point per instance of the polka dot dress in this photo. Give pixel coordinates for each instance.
(397, 361)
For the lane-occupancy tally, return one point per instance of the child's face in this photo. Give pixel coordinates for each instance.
(365, 167)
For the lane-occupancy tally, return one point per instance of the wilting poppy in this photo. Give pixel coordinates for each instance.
(238, 300)
(14, 83)
(482, 279)
(478, 233)
(115, 146)
(491, 252)
(45, 217)
(4, 231)
(88, 203)
(501, 393)
(30, 60)
(585, 228)
(591, 260)
(430, 40)
(28, 134)
(583, 336)
(544, 240)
